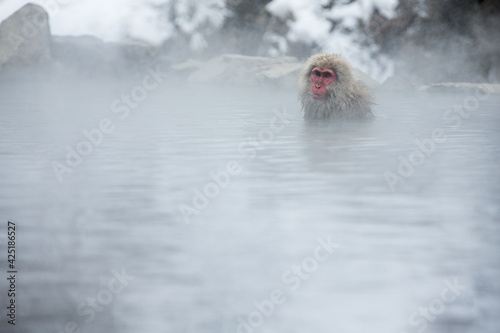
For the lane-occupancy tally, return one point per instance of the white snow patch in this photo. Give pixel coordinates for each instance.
(309, 22)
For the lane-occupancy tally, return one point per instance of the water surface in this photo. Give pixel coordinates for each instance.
(120, 210)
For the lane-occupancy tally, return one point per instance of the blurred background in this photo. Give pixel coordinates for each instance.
(431, 40)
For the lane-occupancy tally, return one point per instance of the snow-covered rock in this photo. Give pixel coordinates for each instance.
(466, 87)
(256, 71)
(401, 83)
(187, 67)
(240, 69)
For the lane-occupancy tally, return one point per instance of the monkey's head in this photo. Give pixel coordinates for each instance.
(324, 73)
(328, 89)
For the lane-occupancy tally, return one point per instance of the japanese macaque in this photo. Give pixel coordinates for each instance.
(328, 90)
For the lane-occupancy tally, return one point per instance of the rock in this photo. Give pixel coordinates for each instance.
(240, 69)
(400, 83)
(466, 87)
(187, 67)
(255, 71)
(25, 37)
(92, 56)
(83, 53)
(137, 51)
(283, 75)
(367, 80)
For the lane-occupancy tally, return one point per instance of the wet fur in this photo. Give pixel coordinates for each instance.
(346, 98)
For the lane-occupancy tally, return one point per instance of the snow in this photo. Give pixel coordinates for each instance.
(363, 9)
(300, 29)
(312, 23)
(192, 15)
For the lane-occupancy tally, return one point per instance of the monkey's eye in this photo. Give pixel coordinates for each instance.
(327, 75)
(317, 73)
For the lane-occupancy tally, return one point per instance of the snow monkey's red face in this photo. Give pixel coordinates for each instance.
(321, 79)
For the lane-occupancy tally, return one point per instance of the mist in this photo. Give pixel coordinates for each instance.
(158, 173)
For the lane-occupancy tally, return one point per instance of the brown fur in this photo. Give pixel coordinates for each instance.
(346, 98)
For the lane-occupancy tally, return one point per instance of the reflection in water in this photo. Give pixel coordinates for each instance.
(119, 210)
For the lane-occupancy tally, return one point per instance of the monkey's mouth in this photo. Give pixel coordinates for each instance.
(318, 95)
(318, 91)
